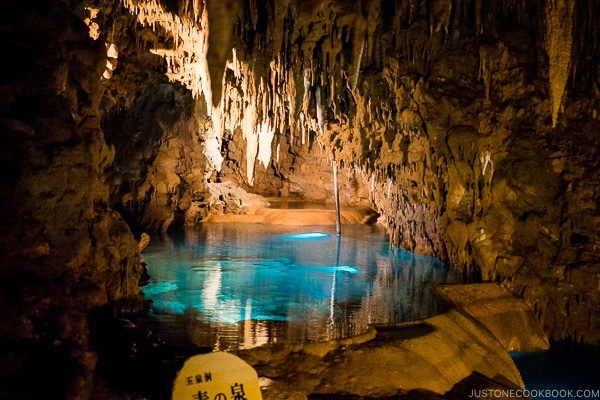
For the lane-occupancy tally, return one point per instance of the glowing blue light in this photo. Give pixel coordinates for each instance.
(154, 288)
(307, 235)
(168, 307)
(260, 273)
(337, 268)
(348, 268)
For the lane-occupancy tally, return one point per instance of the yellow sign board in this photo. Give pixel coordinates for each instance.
(216, 376)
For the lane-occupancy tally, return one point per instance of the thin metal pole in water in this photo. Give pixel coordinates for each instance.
(331, 325)
(336, 191)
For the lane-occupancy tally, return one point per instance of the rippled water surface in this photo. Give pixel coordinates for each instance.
(226, 285)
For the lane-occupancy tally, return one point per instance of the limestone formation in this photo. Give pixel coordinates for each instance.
(471, 127)
(559, 40)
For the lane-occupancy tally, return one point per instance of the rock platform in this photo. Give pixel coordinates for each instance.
(445, 356)
(508, 318)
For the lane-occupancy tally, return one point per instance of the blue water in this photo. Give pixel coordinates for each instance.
(234, 285)
(566, 370)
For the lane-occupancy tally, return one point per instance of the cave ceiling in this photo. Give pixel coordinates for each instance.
(330, 67)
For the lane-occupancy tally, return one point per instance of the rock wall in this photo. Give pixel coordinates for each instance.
(463, 119)
(158, 176)
(64, 251)
(298, 172)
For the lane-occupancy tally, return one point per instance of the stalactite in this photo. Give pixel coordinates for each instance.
(559, 39)
(359, 48)
(262, 101)
(320, 110)
(485, 70)
(191, 55)
(440, 13)
(187, 60)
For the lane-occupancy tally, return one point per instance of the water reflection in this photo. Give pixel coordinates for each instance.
(242, 285)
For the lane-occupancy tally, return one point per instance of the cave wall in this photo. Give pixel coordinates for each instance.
(454, 121)
(64, 251)
(158, 176)
(298, 173)
(472, 124)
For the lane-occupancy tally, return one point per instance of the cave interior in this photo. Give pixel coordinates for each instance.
(469, 129)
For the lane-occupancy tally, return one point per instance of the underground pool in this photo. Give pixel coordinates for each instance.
(234, 286)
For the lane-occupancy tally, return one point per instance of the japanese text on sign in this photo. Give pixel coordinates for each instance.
(216, 376)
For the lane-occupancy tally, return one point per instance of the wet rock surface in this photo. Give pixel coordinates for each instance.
(301, 216)
(428, 358)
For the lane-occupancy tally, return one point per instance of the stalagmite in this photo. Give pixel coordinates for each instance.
(559, 39)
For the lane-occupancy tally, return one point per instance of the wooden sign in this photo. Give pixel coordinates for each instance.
(216, 376)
